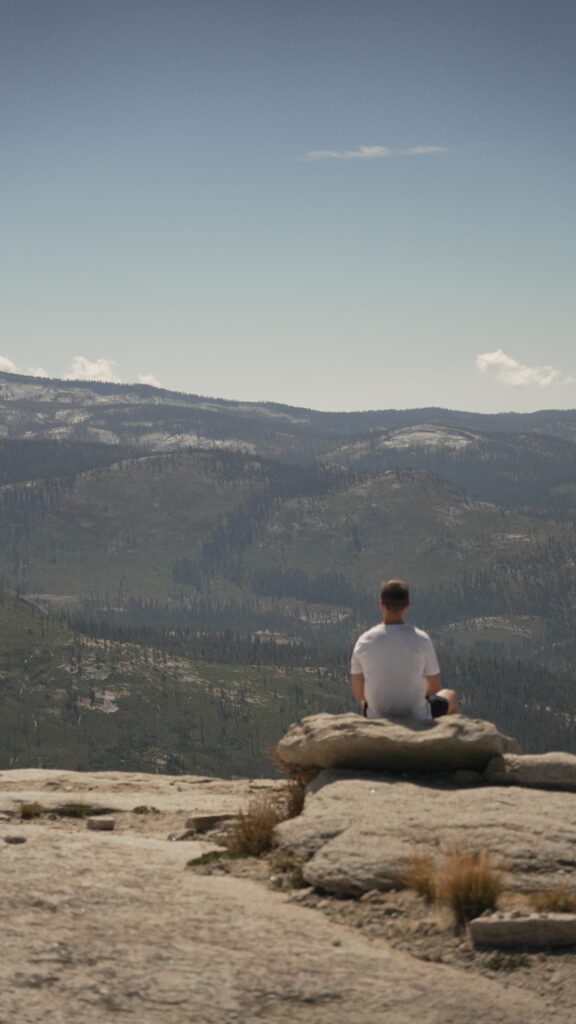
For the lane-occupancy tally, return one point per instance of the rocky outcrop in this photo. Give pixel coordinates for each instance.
(450, 744)
(556, 770)
(360, 832)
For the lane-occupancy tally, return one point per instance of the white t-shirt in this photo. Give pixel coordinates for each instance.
(395, 661)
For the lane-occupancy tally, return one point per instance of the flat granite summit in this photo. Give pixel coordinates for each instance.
(102, 925)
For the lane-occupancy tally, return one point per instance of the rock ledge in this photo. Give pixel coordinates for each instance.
(454, 743)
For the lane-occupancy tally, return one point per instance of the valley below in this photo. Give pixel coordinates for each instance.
(181, 577)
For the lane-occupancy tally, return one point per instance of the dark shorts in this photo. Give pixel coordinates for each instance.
(438, 706)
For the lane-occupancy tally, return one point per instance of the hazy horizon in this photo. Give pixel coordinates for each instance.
(291, 405)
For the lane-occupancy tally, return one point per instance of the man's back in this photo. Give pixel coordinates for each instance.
(395, 660)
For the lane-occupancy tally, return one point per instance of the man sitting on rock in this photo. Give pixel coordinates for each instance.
(395, 671)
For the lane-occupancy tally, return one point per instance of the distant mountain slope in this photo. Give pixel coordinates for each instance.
(190, 542)
(157, 419)
(28, 460)
(410, 521)
(67, 701)
(141, 527)
(514, 470)
(118, 530)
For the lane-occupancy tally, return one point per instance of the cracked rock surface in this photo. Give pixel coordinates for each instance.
(360, 831)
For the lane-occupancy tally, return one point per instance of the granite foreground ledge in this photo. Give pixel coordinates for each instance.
(360, 831)
(351, 742)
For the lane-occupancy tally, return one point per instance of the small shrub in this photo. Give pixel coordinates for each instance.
(292, 799)
(295, 771)
(144, 809)
(507, 961)
(289, 866)
(76, 810)
(213, 857)
(419, 875)
(468, 883)
(253, 831)
(28, 811)
(554, 901)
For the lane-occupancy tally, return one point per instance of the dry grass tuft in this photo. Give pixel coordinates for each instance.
(292, 799)
(295, 771)
(554, 901)
(420, 875)
(253, 831)
(468, 883)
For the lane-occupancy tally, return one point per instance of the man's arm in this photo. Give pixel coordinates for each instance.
(358, 686)
(433, 684)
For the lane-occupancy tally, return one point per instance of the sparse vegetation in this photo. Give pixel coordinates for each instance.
(253, 831)
(420, 876)
(292, 799)
(77, 810)
(144, 809)
(467, 883)
(298, 774)
(287, 868)
(554, 901)
(213, 857)
(33, 810)
(506, 961)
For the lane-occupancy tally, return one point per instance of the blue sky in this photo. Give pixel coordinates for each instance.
(336, 205)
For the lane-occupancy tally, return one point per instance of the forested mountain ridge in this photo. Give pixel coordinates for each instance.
(68, 700)
(157, 419)
(214, 561)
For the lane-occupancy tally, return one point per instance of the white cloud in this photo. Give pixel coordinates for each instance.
(80, 369)
(362, 153)
(421, 151)
(369, 153)
(509, 371)
(86, 369)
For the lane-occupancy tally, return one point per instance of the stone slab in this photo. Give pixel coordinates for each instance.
(101, 824)
(534, 931)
